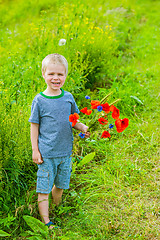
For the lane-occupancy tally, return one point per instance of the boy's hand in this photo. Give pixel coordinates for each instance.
(87, 134)
(36, 156)
(82, 127)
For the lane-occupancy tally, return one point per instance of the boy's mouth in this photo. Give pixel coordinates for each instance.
(56, 83)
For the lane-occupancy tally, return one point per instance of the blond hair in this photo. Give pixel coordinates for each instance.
(54, 58)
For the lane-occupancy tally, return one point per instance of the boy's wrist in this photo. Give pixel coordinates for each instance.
(35, 149)
(81, 127)
(84, 128)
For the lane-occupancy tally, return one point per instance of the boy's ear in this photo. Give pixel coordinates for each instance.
(42, 74)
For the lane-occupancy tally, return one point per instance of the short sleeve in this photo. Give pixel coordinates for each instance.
(35, 113)
(74, 108)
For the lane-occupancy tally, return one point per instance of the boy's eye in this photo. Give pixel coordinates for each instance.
(59, 74)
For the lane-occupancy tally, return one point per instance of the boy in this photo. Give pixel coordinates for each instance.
(51, 133)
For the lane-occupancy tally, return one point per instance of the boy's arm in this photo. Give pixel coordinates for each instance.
(36, 155)
(82, 127)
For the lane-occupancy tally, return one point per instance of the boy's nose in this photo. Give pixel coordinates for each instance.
(55, 76)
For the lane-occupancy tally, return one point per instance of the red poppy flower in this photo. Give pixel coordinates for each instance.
(112, 108)
(121, 124)
(105, 134)
(83, 110)
(102, 121)
(86, 111)
(106, 107)
(95, 104)
(115, 113)
(73, 118)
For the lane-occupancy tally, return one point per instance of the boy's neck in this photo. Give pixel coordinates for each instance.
(57, 92)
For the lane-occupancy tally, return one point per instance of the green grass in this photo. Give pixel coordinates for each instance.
(111, 46)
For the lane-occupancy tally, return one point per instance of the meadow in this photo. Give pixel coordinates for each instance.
(111, 46)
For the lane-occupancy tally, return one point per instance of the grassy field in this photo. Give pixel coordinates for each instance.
(111, 46)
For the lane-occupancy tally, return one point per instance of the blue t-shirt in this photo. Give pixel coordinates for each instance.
(55, 131)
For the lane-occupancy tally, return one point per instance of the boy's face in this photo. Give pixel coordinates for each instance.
(55, 76)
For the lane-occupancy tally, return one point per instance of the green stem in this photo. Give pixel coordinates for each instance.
(104, 99)
(115, 102)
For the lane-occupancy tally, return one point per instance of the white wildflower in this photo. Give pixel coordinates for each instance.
(62, 42)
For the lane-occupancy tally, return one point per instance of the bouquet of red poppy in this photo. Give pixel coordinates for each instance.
(99, 117)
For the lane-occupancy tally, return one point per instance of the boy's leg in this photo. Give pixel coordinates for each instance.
(57, 195)
(43, 205)
(62, 178)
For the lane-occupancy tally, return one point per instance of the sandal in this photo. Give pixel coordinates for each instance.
(51, 223)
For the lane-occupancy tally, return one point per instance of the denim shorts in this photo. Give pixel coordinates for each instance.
(54, 171)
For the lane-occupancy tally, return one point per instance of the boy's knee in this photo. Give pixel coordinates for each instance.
(42, 196)
(57, 190)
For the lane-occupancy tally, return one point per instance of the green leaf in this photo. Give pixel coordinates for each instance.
(35, 224)
(87, 159)
(29, 233)
(137, 99)
(4, 234)
(35, 238)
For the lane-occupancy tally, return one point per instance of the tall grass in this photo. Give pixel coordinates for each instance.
(111, 46)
